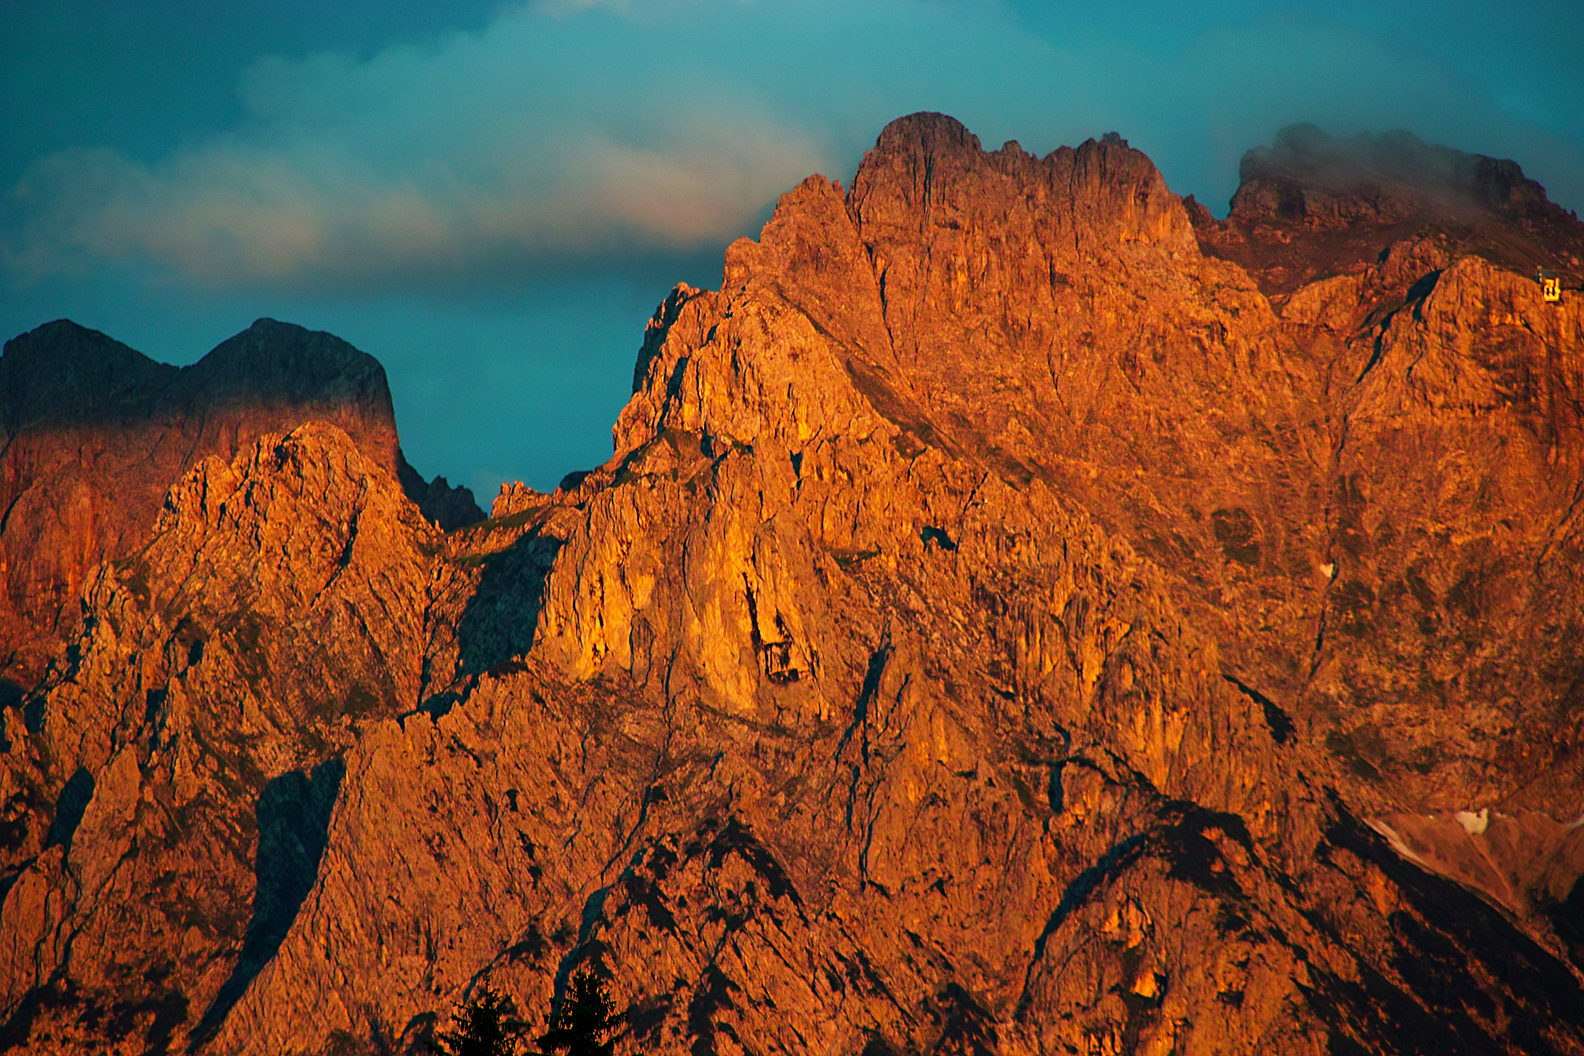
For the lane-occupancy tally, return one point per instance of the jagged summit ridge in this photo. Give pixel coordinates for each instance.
(924, 154)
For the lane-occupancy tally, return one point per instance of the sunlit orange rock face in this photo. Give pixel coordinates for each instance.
(1014, 619)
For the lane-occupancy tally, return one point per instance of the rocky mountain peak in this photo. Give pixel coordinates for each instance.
(1007, 624)
(1312, 205)
(99, 432)
(1311, 175)
(927, 134)
(273, 362)
(930, 163)
(61, 371)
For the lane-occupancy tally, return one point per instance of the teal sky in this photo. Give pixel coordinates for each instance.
(491, 197)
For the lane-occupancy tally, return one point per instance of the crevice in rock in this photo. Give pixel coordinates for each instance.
(293, 815)
(498, 623)
(866, 695)
(1420, 291)
(69, 809)
(967, 1029)
(1375, 353)
(712, 996)
(1107, 868)
(1279, 722)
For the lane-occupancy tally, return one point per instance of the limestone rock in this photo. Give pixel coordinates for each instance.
(447, 506)
(283, 600)
(1003, 626)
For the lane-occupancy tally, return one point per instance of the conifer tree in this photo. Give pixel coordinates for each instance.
(586, 1015)
(488, 1025)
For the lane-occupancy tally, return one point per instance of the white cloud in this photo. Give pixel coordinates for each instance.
(501, 149)
(594, 130)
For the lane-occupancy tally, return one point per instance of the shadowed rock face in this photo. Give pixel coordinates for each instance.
(97, 433)
(1002, 627)
(1325, 181)
(1312, 205)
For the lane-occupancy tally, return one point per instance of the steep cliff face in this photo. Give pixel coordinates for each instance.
(198, 724)
(1000, 628)
(97, 433)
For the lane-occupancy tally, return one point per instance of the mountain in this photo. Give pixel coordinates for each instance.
(1313, 205)
(1010, 621)
(96, 434)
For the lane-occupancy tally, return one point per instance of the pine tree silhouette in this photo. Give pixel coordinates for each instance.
(586, 1015)
(488, 1026)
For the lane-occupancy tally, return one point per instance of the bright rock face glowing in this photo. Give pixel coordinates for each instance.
(939, 664)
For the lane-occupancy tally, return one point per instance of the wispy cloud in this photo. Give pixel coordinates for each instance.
(597, 130)
(488, 151)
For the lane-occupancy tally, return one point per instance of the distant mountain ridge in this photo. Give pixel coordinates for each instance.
(96, 433)
(1313, 204)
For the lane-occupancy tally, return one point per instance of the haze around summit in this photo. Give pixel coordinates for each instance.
(491, 197)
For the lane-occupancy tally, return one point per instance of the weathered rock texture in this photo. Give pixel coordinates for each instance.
(1002, 627)
(96, 433)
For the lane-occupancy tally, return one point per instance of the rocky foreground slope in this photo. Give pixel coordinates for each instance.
(1010, 622)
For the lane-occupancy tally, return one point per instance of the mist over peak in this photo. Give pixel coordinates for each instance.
(1305, 155)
